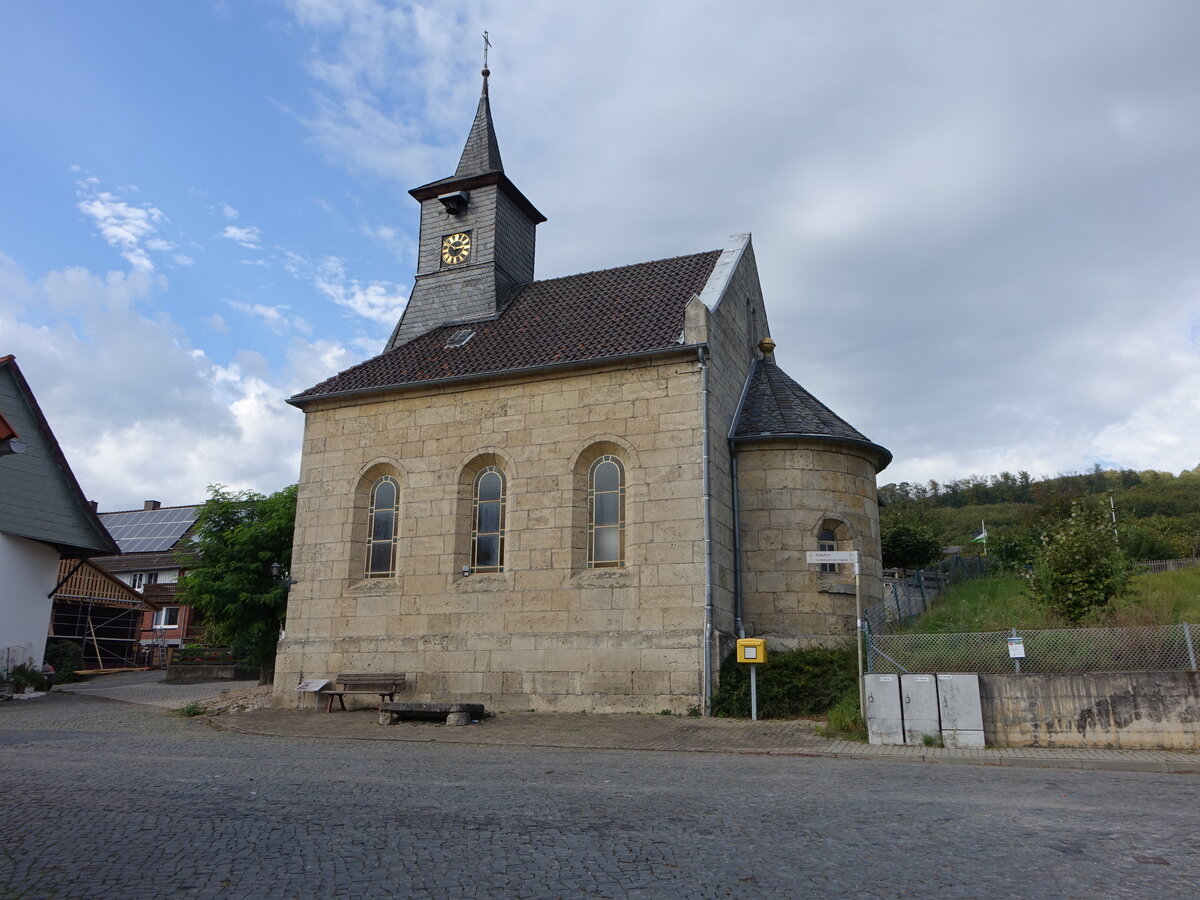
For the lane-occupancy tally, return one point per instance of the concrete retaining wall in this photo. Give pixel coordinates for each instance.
(1126, 710)
(194, 674)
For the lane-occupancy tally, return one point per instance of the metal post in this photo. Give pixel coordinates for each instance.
(753, 693)
(1187, 639)
(862, 702)
(1016, 659)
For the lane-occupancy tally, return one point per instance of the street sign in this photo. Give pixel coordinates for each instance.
(832, 556)
(1016, 648)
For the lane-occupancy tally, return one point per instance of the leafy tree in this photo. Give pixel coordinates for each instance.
(1079, 566)
(1012, 551)
(908, 545)
(239, 534)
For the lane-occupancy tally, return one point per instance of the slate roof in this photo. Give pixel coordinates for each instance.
(579, 318)
(482, 151)
(42, 500)
(775, 406)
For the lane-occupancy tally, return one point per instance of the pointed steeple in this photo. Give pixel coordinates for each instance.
(482, 152)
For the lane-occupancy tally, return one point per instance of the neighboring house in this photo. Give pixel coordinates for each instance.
(569, 494)
(155, 543)
(44, 518)
(101, 614)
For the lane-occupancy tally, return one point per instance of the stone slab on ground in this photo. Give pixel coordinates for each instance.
(394, 711)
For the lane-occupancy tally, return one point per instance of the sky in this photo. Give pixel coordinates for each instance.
(975, 223)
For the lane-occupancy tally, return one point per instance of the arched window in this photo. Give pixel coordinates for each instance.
(606, 513)
(381, 532)
(487, 521)
(827, 540)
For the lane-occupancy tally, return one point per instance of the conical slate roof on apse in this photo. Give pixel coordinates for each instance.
(775, 406)
(482, 151)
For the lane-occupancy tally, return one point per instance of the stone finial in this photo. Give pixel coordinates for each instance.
(767, 347)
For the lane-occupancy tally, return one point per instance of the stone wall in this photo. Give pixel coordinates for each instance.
(547, 633)
(790, 491)
(1126, 710)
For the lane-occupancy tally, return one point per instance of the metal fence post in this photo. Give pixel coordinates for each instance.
(1191, 649)
(1016, 659)
(921, 581)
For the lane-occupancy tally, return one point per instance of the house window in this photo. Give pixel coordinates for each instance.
(136, 579)
(381, 534)
(827, 540)
(606, 513)
(487, 521)
(167, 617)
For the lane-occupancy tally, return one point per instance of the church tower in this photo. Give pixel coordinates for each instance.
(477, 238)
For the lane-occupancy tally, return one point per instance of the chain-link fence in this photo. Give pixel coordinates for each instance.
(1150, 648)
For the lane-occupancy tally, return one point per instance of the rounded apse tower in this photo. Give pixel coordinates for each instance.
(805, 481)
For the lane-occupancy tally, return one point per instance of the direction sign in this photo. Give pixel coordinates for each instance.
(832, 556)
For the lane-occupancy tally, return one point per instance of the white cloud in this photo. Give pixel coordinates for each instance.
(123, 226)
(379, 301)
(216, 322)
(275, 317)
(247, 237)
(139, 411)
(228, 211)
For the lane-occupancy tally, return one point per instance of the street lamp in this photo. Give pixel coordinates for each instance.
(280, 575)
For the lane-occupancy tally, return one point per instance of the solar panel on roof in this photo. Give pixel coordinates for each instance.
(149, 530)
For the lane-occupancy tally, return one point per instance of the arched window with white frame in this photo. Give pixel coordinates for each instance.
(382, 528)
(487, 521)
(606, 513)
(827, 540)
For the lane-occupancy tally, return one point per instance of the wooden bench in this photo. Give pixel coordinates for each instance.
(384, 686)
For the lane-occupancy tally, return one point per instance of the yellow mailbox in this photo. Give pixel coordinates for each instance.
(751, 650)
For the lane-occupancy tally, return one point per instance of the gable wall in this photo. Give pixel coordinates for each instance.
(736, 325)
(37, 499)
(546, 633)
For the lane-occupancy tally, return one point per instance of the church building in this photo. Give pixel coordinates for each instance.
(571, 494)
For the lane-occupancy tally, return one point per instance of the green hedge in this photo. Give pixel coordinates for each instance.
(805, 682)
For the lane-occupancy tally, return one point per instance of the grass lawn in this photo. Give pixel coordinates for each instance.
(998, 604)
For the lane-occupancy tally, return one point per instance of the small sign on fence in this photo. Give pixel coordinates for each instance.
(1016, 648)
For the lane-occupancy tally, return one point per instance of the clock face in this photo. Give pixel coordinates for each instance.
(456, 248)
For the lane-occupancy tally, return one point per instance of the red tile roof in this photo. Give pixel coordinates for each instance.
(593, 316)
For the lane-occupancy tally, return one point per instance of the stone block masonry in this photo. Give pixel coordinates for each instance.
(547, 632)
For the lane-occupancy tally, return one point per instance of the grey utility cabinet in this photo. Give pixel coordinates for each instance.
(918, 694)
(885, 723)
(962, 716)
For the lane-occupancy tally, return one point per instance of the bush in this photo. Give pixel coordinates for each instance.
(907, 545)
(804, 682)
(24, 676)
(66, 657)
(1079, 567)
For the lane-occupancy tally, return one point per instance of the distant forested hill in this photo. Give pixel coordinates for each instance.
(1158, 514)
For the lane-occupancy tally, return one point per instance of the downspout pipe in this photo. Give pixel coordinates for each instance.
(708, 544)
(737, 543)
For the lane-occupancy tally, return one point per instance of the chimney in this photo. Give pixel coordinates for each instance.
(152, 504)
(95, 505)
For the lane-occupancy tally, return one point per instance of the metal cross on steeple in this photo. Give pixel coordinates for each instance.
(486, 44)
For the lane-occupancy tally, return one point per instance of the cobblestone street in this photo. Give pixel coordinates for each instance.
(103, 799)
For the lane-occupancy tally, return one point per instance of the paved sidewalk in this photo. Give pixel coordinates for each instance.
(795, 737)
(149, 688)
